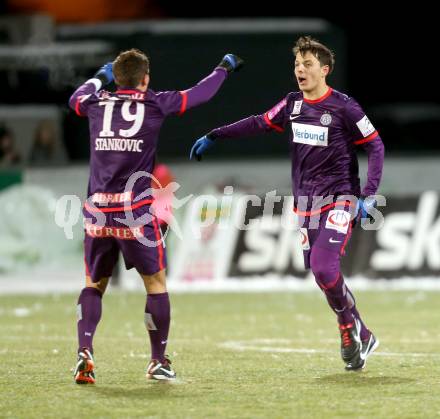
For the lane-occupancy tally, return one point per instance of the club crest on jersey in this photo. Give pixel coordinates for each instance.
(297, 107)
(326, 119)
(338, 220)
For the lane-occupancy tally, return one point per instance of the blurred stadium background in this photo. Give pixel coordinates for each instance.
(387, 62)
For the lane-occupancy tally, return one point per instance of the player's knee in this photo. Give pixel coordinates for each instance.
(320, 271)
(157, 278)
(156, 282)
(325, 266)
(98, 287)
(101, 285)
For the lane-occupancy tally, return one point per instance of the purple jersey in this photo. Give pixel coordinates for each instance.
(124, 129)
(323, 136)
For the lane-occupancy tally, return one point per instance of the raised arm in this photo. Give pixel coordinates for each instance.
(78, 100)
(204, 90)
(178, 102)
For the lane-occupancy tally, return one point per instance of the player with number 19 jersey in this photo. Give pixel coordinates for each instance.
(124, 131)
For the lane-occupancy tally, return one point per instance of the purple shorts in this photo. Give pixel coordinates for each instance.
(332, 231)
(141, 244)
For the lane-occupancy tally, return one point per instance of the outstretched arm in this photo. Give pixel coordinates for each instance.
(78, 100)
(253, 125)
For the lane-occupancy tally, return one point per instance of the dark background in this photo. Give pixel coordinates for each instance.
(389, 64)
(393, 47)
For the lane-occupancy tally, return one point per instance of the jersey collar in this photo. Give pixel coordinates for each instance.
(320, 99)
(128, 91)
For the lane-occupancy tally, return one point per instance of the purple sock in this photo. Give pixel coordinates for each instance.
(337, 299)
(157, 321)
(88, 313)
(365, 332)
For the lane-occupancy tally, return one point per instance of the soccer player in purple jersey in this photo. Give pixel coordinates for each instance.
(124, 128)
(325, 129)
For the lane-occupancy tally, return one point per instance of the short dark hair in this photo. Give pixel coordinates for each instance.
(130, 67)
(324, 55)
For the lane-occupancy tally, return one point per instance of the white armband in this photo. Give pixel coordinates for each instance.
(96, 82)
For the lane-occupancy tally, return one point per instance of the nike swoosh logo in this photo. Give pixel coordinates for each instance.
(334, 241)
(363, 355)
(164, 371)
(294, 117)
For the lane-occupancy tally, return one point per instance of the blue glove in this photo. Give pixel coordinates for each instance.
(105, 74)
(231, 63)
(365, 205)
(200, 146)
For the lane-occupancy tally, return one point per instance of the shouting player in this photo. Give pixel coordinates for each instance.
(124, 129)
(325, 128)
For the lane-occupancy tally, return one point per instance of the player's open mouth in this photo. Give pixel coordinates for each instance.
(301, 80)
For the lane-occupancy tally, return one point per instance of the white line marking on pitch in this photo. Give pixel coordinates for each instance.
(252, 345)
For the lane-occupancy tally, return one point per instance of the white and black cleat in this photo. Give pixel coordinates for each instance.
(157, 370)
(84, 372)
(367, 348)
(351, 345)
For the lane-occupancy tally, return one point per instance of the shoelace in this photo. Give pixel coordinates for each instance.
(165, 364)
(346, 337)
